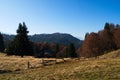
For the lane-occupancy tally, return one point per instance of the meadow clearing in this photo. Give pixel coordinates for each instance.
(106, 67)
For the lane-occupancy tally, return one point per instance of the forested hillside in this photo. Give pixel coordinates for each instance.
(106, 40)
(56, 38)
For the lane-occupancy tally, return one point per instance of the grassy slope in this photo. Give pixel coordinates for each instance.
(85, 69)
(112, 54)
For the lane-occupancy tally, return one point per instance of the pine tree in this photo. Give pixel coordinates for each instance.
(107, 26)
(66, 53)
(2, 47)
(86, 35)
(10, 50)
(117, 25)
(21, 45)
(56, 49)
(71, 50)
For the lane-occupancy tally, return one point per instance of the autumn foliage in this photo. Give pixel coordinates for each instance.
(96, 44)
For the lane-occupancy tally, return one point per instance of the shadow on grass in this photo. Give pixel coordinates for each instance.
(5, 71)
(49, 64)
(9, 71)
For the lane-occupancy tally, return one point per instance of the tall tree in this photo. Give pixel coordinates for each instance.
(10, 49)
(107, 26)
(2, 47)
(66, 52)
(71, 50)
(112, 26)
(86, 35)
(21, 44)
(56, 50)
(117, 25)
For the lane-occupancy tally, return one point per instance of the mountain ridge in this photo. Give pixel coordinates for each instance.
(57, 38)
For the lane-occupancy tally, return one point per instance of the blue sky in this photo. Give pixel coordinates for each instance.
(75, 17)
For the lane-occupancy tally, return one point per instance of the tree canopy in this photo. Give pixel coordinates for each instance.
(71, 50)
(2, 47)
(21, 44)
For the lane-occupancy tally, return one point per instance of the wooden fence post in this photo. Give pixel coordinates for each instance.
(28, 65)
(42, 61)
(55, 60)
(63, 59)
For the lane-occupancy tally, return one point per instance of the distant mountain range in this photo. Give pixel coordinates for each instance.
(60, 38)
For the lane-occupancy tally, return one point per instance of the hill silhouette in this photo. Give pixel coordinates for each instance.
(59, 38)
(56, 38)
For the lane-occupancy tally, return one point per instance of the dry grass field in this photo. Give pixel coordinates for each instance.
(103, 68)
